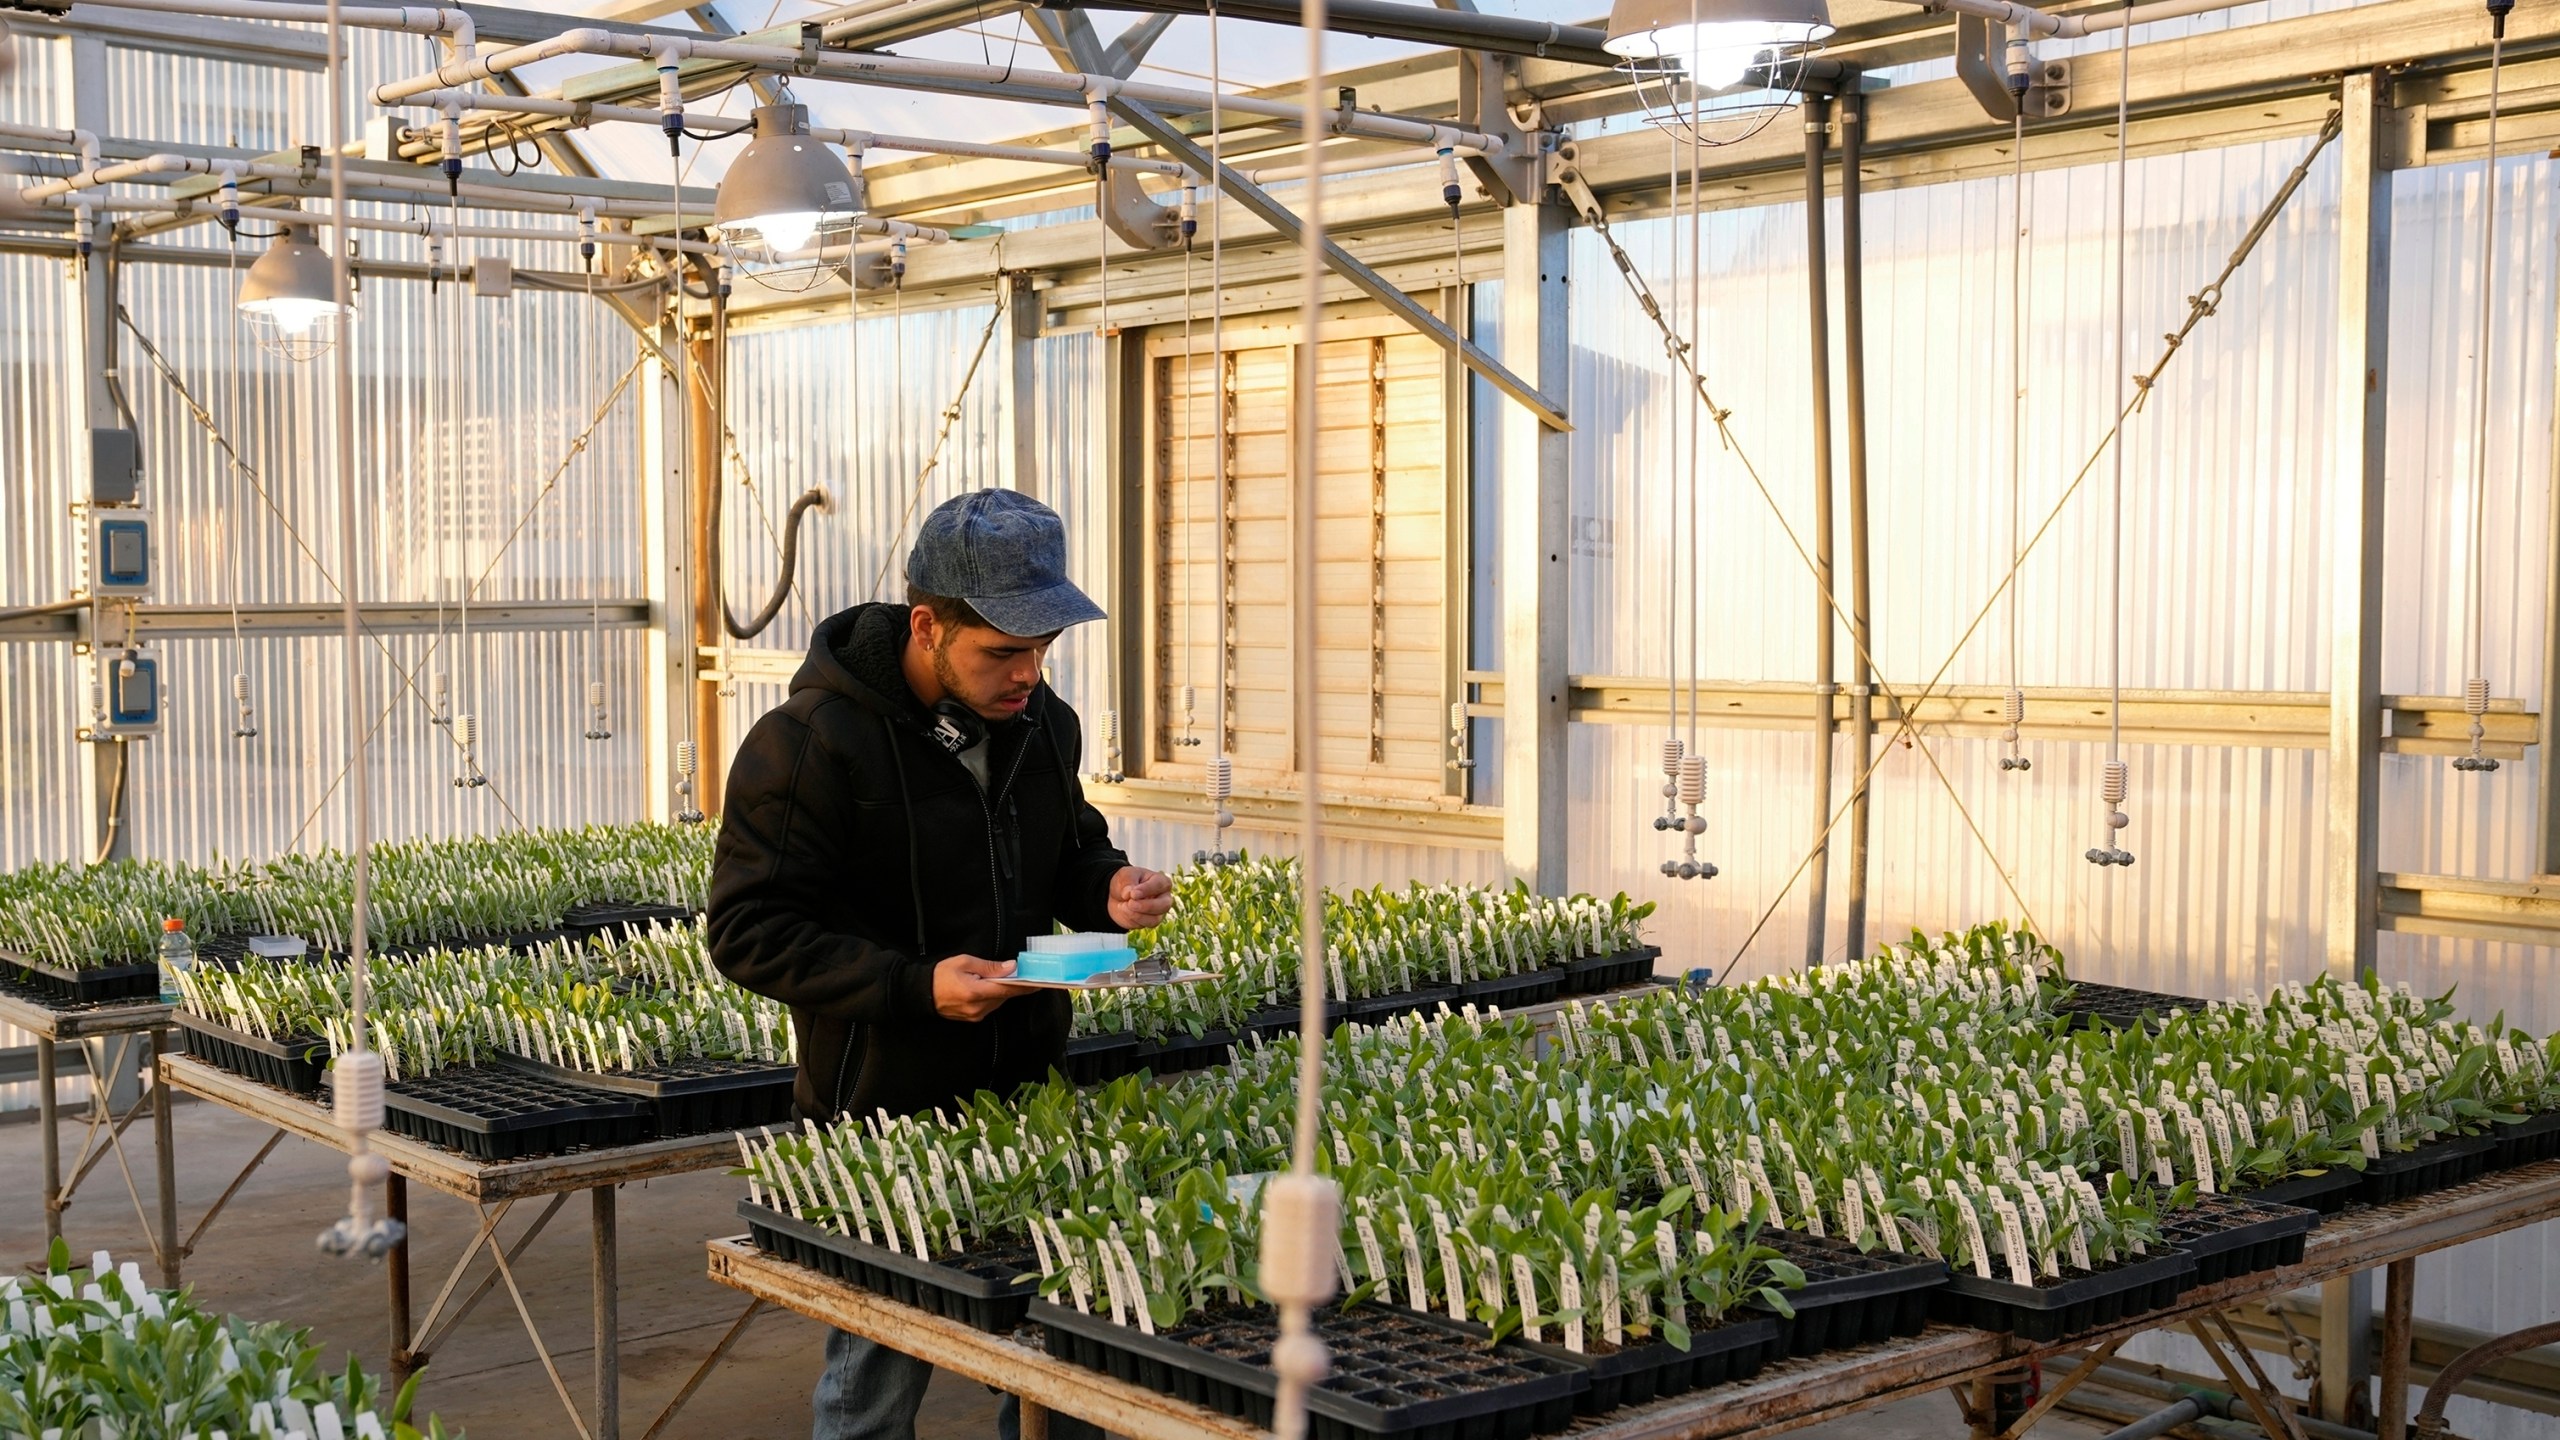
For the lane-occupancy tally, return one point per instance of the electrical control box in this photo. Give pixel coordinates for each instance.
(119, 552)
(115, 466)
(124, 692)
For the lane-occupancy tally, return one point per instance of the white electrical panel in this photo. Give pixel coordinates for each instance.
(120, 560)
(124, 692)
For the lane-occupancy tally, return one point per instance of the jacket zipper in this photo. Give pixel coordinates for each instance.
(995, 872)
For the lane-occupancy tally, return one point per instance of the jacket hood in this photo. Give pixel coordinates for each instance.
(858, 654)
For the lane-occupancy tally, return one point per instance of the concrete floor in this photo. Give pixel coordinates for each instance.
(258, 1261)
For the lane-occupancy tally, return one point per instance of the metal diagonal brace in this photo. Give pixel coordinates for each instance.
(1369, 282)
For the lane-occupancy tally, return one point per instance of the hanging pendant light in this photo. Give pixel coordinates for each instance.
(1715, 41)
(290, 297)
(785, 200)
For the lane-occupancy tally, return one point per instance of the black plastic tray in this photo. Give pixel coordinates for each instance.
(1529, 987)
(72, 985)
(1379, 1009)
(1594, 973)
(991, 1291)
(583, 922)
(1270, 1024)
(2232, 1236)
(491, 1113)
(2537, 1137)
(2088, 1004)
(1099, 1059)
(1852, 1297)
(1385, 1363)
(2041, 1314)
(2436, 1165)
(294, 1065)
(688, 1097)
(1176, 1054)
(1722, 1354)
(2327, 1192)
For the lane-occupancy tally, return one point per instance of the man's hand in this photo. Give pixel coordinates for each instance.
(1140, 898)
(968, 988)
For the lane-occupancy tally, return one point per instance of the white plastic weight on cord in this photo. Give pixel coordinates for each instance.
(1693, 780)
(2116, 785)
(355, 1087)
(1301, 1224)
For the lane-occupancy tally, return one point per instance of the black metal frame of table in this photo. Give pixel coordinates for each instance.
(492, 1188)
(1785, 1397)
(125, 1022)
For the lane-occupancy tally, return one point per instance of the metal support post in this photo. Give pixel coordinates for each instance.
(608, 1424)
(164, 1160)
(2399, 1287)
(1022, 394)
(709, 453)
(49, 1117)
(2351, 884)
(1817, 130)
(1536, 310)
(395, 1268)
(105, 780)
(1853, 365)
(1035, 1420)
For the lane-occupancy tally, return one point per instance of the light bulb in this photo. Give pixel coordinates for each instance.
(1717, 54)
(292, 315)
(787, 231)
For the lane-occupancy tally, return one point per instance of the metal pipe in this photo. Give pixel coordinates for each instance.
(1383, 160)
(2068, 27)
(2159, 1422)
(2114, 1376)
(149, 167)
(668, 53)
(1853, 345)
(1390, 20)
(2399, 1286)
(1817, 118)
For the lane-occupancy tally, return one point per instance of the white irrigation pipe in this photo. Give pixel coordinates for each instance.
(2069, 27)
(1384, 160)
(424, 182)
(670, 52)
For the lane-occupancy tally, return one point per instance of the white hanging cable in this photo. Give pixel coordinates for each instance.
(1190, 495)
(1301, 1224)
(1222, 766)
(355, 1076)
(1460, 761)
(1111, 772)
(439, 400)
(244, 713)
(1693, 761)
(2013, 703)
(466, 722)
(1673, 747)
(2475, 687)
(2115, 781)
(688, 809)
(599, 720)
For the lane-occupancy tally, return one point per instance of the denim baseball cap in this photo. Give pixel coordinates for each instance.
(1006, 554)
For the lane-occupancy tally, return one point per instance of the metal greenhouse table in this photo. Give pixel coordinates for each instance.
(1784, 1397)
(492, 1188)
(53, 1022)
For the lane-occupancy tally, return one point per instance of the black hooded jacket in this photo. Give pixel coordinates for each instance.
(856, 852)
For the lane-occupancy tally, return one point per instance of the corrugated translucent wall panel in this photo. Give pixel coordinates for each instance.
(2213, 478)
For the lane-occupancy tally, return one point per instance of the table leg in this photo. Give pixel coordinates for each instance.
(164, 1149)
(1035, 1419)
(395, 1204)
(2399, 1282)
(2346, 1347)
(48, 1115)
(608, 1318)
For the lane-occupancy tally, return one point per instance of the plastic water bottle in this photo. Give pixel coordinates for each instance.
(177, 957)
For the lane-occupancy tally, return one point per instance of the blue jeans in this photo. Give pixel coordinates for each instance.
(871, 1392)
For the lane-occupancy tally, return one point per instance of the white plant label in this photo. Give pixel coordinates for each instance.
(888, 1216)
(1452, 1273)
(1666, 1250)
(1812, 1214)
(2201, 1151)
(1853, 1212)
(2362, 1098)
(2013, 1239)
(2128, 1153)
(2301, 1116)
(2163, 1169)
(1569, 1304)
(1417, 1289)
(2387, 1094)
(1884, 1209)
(1373, 1253)
(1973, 1236)
(905, 1195)
(1613, 1327)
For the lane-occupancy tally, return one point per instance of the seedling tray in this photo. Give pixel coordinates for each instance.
(1851, 1297)
(295, 1065)
(583, 922)
(2051, 1310)
(1725, 1354)
(2088, 1004)
(1270, 1024)
(1379, 1009)
(2231, 1237)
(988, 1290)
(77, 986)
(1394, 1372)
(2537, 1137)
(1178, 1053)
(2436, 1165)
(1529, 987)
(1594, 973)
(688, 1097)
(491, 1113)
(1100, 1059)
(2327, 1192)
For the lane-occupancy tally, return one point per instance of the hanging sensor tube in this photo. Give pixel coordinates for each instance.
(2013, 711)
(2112, 789)
(1693, 793)
(1669, 819)
(1222, 789)
(2475, 690)
(599, 725)
(244, 722)
(466, 738)
(1459, 759)
(1110, 773)
(439, 699)
(1190, 716)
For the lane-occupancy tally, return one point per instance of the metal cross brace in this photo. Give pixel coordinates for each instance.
(102, 1119)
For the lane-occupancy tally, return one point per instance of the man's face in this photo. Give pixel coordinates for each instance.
(985, 669)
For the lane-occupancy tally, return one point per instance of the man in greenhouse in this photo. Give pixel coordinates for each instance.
(893, 832)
